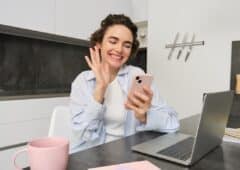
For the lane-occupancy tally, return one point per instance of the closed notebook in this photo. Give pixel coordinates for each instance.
(138, 165)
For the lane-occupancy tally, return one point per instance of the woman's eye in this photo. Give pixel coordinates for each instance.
(112, 41)
(127, 46)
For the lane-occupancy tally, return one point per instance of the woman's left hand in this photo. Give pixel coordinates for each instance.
(140, 103)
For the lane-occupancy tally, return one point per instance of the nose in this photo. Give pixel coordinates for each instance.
(119, 47)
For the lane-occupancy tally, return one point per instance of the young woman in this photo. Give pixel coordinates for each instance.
(102, 109)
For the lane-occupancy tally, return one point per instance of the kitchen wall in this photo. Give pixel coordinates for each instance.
(36, 15)
(78, 19)
(69, 18)
(139, 10)
(208, 68)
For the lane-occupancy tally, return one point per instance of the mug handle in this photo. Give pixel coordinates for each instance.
(15, 157)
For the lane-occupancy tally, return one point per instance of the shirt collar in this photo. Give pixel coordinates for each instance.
(123, 70)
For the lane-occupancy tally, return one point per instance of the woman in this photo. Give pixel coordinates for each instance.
(102, 109)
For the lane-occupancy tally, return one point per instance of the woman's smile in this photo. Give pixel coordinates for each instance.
(115, 56)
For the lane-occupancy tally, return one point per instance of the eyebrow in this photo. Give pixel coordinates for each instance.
(115, 38)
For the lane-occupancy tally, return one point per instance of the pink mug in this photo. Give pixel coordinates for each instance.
(49, 153)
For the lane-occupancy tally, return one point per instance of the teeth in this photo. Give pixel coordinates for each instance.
(116, 56)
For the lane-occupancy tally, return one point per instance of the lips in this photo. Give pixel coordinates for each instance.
(116, 56)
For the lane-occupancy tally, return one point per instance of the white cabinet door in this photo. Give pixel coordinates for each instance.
(20, 132)
(23, 120)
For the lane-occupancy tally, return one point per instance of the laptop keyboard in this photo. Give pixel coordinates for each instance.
(181, 150)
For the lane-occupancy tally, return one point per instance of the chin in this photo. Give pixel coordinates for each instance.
(116, 65)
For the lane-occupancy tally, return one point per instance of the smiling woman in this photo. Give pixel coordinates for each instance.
(102, 108)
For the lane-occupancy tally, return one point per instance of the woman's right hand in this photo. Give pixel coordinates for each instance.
(101, 72)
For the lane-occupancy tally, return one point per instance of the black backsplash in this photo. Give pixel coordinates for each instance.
(33, 62)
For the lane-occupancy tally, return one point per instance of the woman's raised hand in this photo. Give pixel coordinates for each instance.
(101, 72)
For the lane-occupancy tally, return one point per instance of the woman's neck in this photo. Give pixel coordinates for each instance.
(113, 73)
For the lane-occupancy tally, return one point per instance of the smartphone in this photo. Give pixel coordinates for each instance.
(139, 81)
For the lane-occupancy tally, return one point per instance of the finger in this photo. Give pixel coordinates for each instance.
(88, 61)
(143, 97)
(135, 101)
(130, 106)
(93, 58)
(127, 105)
(97, 54)
(147, 90)
(139, 113)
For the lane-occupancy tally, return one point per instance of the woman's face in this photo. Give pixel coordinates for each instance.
(116, 46)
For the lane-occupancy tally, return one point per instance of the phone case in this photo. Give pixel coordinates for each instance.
(140, 81)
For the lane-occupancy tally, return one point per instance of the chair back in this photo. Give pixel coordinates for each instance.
(60, 122)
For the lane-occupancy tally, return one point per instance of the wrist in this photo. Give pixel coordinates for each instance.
(143, 120)
(99, 94)
(99, 99)
(101, 87)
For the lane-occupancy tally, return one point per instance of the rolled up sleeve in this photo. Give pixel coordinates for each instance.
(160, 117)
(87, 114)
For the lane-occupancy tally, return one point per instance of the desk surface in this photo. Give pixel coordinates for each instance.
(225, 157)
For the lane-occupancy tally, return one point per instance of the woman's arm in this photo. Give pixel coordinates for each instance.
(87, 113)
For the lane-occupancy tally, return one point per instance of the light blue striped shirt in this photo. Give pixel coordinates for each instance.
(87, 117)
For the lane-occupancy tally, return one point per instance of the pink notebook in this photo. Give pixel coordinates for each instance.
(139, 165)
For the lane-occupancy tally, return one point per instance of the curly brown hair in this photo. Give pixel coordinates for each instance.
(115, 19)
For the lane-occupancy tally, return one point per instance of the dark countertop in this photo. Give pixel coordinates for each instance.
(225, 157)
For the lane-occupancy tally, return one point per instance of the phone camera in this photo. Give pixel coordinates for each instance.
(139, 81)
(137, 78)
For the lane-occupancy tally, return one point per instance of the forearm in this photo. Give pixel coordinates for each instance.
(99, 93)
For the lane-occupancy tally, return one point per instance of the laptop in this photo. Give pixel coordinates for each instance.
(186, 149)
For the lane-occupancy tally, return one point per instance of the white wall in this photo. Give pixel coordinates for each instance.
(208, 69)
(139, 10)
(79, 19)
(36, 15)
(71, 18)
(75, 19)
